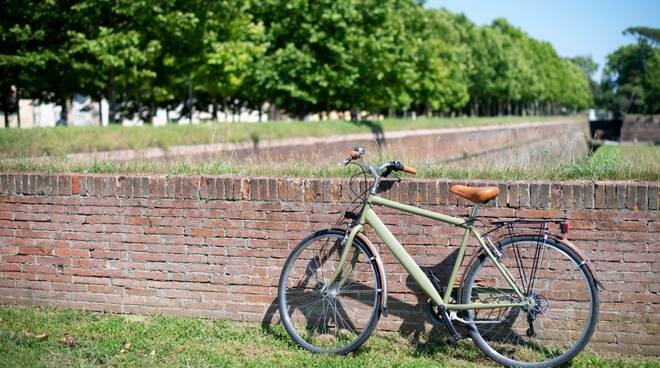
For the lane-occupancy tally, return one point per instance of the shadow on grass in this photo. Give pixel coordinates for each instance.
(413, 317)
(376, 129)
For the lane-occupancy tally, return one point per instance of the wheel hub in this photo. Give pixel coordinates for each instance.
(330, 292)
(536, 305)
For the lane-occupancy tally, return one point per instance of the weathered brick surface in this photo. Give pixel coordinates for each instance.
(214, 246)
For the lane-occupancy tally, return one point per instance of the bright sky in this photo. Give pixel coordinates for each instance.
(574, 27)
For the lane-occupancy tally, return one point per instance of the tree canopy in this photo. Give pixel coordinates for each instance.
(301, 56)
(631, 78)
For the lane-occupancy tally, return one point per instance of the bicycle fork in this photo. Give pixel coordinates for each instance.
(346, 244)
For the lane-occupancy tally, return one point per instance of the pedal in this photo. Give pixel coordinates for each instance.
(455, 336)
(454, 339)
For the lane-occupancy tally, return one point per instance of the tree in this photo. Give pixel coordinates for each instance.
(631, 79)
(35, 56)
(338, 55)
(651, 35)
(232, 47)
(589, 67)
(111, 62)
(439, 84)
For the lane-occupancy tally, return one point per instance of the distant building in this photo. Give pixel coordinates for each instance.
(85, 112)
(598, 114)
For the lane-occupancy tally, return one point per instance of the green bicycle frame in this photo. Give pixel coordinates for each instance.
(369, 217)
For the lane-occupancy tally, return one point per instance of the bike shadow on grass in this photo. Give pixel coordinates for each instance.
(412, 316)
(376, 129)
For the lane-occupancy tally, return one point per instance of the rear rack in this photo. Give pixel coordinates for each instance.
(517, 223)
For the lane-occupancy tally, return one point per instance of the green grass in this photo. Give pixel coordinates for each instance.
(62, 140)
(624, 162)
(615, 162)
(136, 341)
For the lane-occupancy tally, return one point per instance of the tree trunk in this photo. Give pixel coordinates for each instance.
(214, 109)
(112, 110)
(18, 109)
(226, 108)
(6, 117)
(152, 108)
(100, 113)
(64, 114)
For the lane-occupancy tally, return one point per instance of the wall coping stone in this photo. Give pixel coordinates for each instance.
(632, 195)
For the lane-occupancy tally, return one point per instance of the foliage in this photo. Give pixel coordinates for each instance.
(647, 33)
(631, 80)
(302, 56)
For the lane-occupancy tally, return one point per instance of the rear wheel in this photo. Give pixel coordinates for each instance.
(562, 310)
(340, 319)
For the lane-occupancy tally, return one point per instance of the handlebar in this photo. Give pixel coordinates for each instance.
(378, 172)
(410, 170)
(398, 166)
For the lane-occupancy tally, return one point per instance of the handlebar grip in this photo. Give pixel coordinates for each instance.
(355, 154)
(409, 170)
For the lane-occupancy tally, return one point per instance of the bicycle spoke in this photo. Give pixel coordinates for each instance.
(328, 318)
(558, 289)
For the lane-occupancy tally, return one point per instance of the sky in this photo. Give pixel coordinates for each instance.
(574, 27)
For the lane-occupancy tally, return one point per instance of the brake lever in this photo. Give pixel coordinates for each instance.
(398, 179)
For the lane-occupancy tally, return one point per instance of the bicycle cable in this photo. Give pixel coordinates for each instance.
(359, 197)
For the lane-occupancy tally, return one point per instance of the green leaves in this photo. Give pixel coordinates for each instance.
(631, 78)
(301, 56)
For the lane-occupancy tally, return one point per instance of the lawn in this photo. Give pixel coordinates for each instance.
(37, 337)
(62, 140)
(623, 162)
(619, 162)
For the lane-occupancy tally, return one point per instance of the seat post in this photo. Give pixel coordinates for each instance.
(473, 213)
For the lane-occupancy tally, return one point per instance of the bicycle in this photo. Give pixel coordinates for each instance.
(527, 299)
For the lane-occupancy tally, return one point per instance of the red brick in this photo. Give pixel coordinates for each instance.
(33, 250)
(623, 226)
(158, 248)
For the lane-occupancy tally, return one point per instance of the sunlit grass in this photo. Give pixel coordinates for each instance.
(545, 162)
(32, 337)
(62, 140)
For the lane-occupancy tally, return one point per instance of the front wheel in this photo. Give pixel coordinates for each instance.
(336, 319)
(562, 303)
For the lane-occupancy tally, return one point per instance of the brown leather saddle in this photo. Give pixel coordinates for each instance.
(475, 195)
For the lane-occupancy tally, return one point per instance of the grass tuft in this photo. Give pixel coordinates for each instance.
(624, 162)
(102, 339)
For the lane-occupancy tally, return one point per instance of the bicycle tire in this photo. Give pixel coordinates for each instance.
(485, 339)
(287, 309)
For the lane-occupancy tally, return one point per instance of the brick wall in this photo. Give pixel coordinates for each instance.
(640, 130)
(214, 246)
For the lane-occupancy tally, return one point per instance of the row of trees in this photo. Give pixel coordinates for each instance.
(302, 56)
